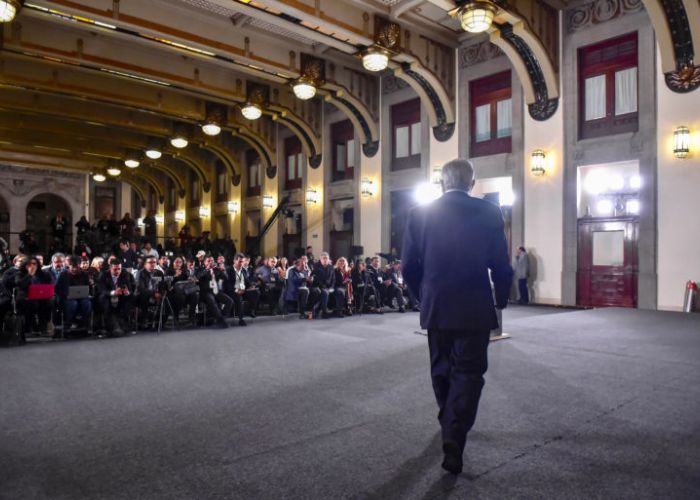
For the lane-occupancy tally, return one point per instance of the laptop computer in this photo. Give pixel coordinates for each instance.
(40, 292)
(78, 292)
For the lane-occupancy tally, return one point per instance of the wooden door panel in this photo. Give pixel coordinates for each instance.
(612, 285)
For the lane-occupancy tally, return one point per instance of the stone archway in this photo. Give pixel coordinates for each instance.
(41, 209)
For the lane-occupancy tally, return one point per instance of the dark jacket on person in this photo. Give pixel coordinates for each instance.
(105, 283)
(395, 276)
(448, 249)
(149, 282)
(149, 225)
(375, 276)
(203, 276)
(295, 280)
(323, 277)
(230, 281)
(23, 280)
(67, 279)
(128, 258)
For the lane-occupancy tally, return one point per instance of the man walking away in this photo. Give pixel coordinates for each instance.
(457, 308)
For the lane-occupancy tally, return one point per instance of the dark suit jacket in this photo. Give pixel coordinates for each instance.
(105, 285)
(449, 247)
(323, 277)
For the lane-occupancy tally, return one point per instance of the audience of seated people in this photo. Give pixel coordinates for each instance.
(139, 287)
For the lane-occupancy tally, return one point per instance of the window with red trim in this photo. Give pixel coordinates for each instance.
(491, 115)
(195, 187)
(406, 135)
(343, 138)
(608, 87)
(221, 184)
(172, 196)
(293, 163)
(252, 161)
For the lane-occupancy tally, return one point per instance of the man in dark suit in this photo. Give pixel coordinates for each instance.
(457, 305)
(115, 290)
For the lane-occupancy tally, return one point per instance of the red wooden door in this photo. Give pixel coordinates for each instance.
(607, 262)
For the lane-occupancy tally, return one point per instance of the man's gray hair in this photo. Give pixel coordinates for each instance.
(324, 254)
(458, 174)
(57, 255)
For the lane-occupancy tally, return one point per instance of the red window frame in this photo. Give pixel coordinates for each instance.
(489, 90)
(404, 114)
(221, 170)
(292, 146)
(252, 159)
(195, 187)
(606, 58)
(341, 133)
(172, 196)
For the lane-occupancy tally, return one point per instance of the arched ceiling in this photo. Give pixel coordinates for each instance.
(136, 70)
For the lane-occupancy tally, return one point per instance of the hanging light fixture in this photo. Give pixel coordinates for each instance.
(681, 143)
(251, 111)
(9, 9)
(179, 139)
(132, 162)
(114, 171)
(304, 89)
(179, 142)
(476, 16)
(215, 115)
(375, 59)
(538, 159)
(99, 177)
(153, 153)
(212, 128)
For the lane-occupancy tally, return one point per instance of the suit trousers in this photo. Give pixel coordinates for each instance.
(458, 361)
(524, 292)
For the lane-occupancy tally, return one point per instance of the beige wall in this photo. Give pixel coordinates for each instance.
(678, 196)
(543, 205)
(371, 206)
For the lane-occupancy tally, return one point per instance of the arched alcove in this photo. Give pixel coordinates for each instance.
(41, 209)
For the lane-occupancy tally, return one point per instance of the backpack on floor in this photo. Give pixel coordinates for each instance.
(11, 334)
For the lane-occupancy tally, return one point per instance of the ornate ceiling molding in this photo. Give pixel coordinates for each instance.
(600, 11)
(478, 53)
(677, 28)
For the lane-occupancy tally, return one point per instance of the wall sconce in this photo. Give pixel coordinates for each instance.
(180, 216)
(268, 201)
(234, 207)
(436, 177)
(204, 212)
(312, 196)
(160, 219)
(366, 187)
(538, 158)
(681, 142)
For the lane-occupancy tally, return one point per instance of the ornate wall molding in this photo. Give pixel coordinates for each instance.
(600, 11)
(391, 84)
(478, 53)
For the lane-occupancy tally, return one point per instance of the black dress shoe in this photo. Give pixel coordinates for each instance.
(242, 323)
(453, 457)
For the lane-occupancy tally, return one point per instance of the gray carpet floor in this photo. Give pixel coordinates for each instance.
(578, 404)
